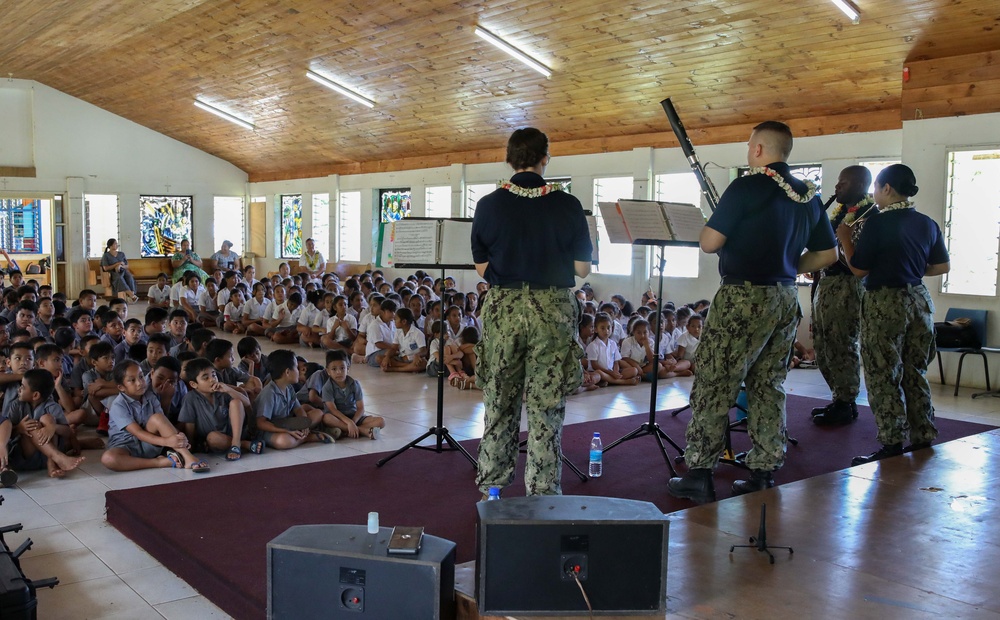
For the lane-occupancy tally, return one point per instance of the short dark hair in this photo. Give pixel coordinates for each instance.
(186, 356)
(526, 148)
(246, 346)
(179, 314)
(78, 313)
(280, 361)
(41, 381)
(64, 337)
(900, 177)
(121, 369)
(405, 315)
(137, 352)
(780, 134)
(86, 292)
(217, 348)
(115, 300)
(388, 304)
(133, 321)
(195, 367)
(155, 315)
(21, 345)
(295, 297)
(168, 362)
(100, 349)
(201, 337)
(470, 335)
(160, 339)
(28, 305)
(337, 355)
(46, 351)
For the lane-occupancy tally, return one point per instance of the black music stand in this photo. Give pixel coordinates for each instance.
(650, 426)
(438, 431)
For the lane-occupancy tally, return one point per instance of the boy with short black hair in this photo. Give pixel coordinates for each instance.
(284, 332)
(87, 301)
(83, 324)
(381, 334)
(45, 291)
(98, 383)
(252, 361)
(177, 328)
(198, 339)
(120, 307)
(159, 293)
(41, 425)
(312, 389)
(220, 353)
(214, 413)
(112, 328)
(345, 401)
(43, 319)
(141, 436)
(49, 357)
(283, 421)
(155, 322)
(132, 337)
(157, 347)
(165, 382)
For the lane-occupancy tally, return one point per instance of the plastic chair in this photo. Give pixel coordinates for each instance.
(978, 319)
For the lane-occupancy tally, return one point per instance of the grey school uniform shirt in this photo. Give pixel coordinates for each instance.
(206, 415)
(124, 411)
(275, 403)
(346, 398)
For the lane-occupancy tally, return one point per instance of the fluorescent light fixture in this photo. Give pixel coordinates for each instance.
(226, 115)
(513, 51)
(343, 90)
(849, 10)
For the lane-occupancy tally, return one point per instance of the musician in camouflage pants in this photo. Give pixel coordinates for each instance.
(837, 333)
(528, 347)
(737, 347)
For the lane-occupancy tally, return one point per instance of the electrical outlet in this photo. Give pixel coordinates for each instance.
(353, 599)
(573, 564)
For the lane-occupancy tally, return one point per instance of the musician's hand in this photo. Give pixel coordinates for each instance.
(844, 235)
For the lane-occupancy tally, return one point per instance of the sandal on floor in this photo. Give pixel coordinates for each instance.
(201, 467)
(234, 454)
(373, 433)
(176, 462)
(256, 446)
(323, 437)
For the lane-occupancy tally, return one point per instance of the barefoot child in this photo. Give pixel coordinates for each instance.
(284, 422)
(214, 414)
(345, 401)
(141, 436)
(39, 422)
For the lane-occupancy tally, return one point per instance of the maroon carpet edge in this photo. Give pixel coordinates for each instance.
(241, 590)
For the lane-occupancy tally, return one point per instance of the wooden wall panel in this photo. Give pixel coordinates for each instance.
(953, 86)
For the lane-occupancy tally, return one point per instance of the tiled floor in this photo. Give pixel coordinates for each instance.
(104, 575)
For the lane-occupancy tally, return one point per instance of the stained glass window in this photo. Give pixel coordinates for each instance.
(164, 222)
(21, 225)
(395, 204)
(291, 226)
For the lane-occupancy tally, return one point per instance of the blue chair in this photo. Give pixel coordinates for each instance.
(978, 318)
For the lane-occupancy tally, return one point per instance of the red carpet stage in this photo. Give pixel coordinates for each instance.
(213, 532)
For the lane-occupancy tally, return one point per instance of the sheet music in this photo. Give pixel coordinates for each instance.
(414, 241)
(644, 220)
(456, 243)
(614, 223)
(686, 221)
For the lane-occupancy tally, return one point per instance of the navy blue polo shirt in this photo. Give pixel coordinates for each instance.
(531, 240)
(766, 230)
(895, 248)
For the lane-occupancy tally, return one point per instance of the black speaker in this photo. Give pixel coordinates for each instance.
(342, 571)
(530, 548)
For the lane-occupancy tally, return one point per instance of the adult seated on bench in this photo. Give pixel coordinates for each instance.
(185, 260)
(115, 264)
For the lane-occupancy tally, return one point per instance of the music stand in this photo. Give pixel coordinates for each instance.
(650, 426)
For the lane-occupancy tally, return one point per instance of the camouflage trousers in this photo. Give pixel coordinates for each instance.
(747, 340)
(837, 334)
(897, 344)
(528, 353)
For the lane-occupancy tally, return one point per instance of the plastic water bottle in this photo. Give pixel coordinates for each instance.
(494, 494)
(596, 456)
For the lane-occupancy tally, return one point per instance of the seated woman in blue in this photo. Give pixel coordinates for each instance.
(115, 263)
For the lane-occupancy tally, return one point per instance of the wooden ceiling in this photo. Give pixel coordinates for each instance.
(444, 95)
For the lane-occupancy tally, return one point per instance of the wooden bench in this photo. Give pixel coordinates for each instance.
(144, 270)
(343, 270)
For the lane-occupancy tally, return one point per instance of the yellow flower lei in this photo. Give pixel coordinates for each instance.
(789, 190)
(852, 211)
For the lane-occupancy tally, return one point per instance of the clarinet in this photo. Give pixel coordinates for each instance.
(707, 188)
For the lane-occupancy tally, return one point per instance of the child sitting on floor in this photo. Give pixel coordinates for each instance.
(159, 293)
(637, 351)
(585, 333)
(605, 357)
(141, 436)
(341, 327)
(687, 344)
(220, 353)
(408, 352)
(287, 318)
(284, 422)
(252, 361)
(460, 358)
(345, 400)
(214, 414)
(381, 334)
(41, 426)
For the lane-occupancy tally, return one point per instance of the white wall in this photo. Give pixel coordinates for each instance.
(79, 148)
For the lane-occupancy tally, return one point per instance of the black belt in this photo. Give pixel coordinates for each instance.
(893, 286)
(530, 286)
(732, 280)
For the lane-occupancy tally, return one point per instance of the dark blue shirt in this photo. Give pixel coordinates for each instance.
(766, 231)
(531, 240)
(895, 248)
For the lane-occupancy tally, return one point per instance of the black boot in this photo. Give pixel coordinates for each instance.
(821, 410)
(696, 485)
(885, 452)
(759, 480)
(839, 413)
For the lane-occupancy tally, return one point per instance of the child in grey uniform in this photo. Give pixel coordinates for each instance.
(214, 414)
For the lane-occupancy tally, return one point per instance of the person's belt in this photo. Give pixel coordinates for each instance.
(880, 287)
(529, 286)
(733, 280)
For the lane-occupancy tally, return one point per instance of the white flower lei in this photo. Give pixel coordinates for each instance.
(852, 210)
(789, 191)
(902, 204)
(530, 192)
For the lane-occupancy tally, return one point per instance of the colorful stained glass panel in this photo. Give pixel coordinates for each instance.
(20, 225)
(291, 226)
(395, 204)
(164, 222)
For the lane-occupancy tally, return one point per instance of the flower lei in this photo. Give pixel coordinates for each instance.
(902, 204)
(789, 191)
(530, 192)
(852, 212)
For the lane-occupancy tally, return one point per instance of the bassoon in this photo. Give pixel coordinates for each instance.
(707, 188)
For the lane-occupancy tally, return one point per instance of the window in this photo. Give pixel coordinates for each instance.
(101, 211)
(681, 262)
(230, 217)
(438, 201)
(615, 258)
(473, 193)
(349, 222)
(394, 204)
(21, 225)
(876, 167)
(972, 222)
(321, 224)
(291, 226)
(164, 221)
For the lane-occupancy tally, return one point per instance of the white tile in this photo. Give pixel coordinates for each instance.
(105, 597)
(158, 585)
(196, 607)
(79, 510)
(54, 539)
(119, 553)
(70, 489)
(69, 566)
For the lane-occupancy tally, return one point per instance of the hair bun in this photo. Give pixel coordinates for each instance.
(913, 190)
